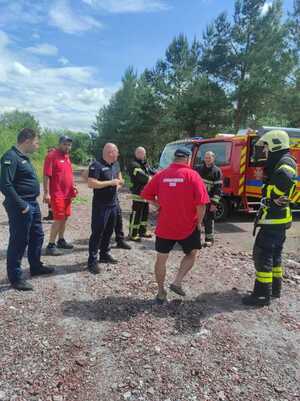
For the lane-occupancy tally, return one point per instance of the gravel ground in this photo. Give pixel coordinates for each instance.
(87, 338)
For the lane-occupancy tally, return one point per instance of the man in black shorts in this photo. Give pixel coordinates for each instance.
(181, 196)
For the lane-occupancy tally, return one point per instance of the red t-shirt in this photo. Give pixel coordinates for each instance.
(178, 189)
(58, 167)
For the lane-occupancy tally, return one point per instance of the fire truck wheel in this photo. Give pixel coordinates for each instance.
(223, 210)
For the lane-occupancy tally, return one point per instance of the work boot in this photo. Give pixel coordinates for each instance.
(63, 244)
(52, 250)
(107, 258)
(276, 287)
(261, 295)
(208, 243)
(122, 244)
(94, 268)
(41, 270)
(22, 285)
(146, 235)
(135, 239)
(49, 217)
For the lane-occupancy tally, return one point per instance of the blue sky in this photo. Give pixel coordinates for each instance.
(63, 59)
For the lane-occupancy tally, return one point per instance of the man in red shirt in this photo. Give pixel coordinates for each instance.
(59, 190)
(181, 196)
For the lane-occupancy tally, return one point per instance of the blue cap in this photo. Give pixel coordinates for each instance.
(64, 139)
(182, 152)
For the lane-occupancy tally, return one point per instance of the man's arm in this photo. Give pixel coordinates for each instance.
(96, 184)
(149, 192)
(120, 178)
(8, 171)
(46, 185)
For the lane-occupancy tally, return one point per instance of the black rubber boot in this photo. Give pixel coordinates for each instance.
(261, 295)
(276, 287)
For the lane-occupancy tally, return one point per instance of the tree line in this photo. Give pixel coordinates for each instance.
(12, 122)
(243, 72)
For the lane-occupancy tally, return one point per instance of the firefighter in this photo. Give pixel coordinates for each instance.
(140, 174)
(212, 177)
(274, 217)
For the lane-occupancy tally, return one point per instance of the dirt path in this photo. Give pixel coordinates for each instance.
(87, 338)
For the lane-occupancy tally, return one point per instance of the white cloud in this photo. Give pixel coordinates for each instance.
(63, 61)
(44, 49)
(20, 69)
(63, 17)
(61, 97)
(265, 8)
(128, 6)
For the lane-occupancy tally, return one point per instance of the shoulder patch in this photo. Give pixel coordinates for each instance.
(7, 161)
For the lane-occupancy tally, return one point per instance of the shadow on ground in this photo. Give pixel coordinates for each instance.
(188, 315)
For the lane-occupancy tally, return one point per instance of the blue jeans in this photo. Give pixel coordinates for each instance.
(25, 230)
(103, 224)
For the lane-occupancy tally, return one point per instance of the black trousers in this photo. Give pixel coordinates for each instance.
(138, 219)
(25, 230)
(103, 224)
(209, 224)
(267, 254)
(119, 224)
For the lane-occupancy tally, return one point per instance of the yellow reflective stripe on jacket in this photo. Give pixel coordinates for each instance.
(277, 272)
(288, 168)
(137, 198)
(284, 220)
(264, 277)
(277, 191)
(138, 170)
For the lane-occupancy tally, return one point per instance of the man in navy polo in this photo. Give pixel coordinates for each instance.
(20, 186)
(104, 178)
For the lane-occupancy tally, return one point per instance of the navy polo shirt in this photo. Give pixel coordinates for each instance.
(18, 180)
(103, 171)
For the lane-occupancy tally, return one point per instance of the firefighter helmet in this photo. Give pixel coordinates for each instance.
(275, 139)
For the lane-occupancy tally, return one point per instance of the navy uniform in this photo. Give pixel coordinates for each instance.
(274, 218)
(212, 177)
(104, 213)
(139, 172)
(20, 186)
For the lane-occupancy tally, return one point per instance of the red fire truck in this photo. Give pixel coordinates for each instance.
(242, 171)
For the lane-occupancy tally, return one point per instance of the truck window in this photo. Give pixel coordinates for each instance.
(167, 155)
(222, 150)
(257, 157)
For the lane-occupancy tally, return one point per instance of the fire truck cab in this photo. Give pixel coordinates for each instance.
(242, 169)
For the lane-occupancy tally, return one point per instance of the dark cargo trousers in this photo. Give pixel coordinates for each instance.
(267, 259)
(25, 231)
(209, 224)
(138, 219)
(119, 224)
(103, 224)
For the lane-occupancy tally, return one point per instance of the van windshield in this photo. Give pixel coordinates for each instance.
(222, 151)
(167, 155)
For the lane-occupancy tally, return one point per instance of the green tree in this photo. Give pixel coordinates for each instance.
(250, 56)
(16, 120)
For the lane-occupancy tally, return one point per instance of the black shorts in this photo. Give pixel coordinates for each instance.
(188, 244)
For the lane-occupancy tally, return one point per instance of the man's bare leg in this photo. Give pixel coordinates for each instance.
(55, 229)
(186, 265)
(160, 273)
(62, 228)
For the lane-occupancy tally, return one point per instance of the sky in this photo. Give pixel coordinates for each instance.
(62, 60)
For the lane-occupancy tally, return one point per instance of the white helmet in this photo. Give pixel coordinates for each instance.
(275, 139)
